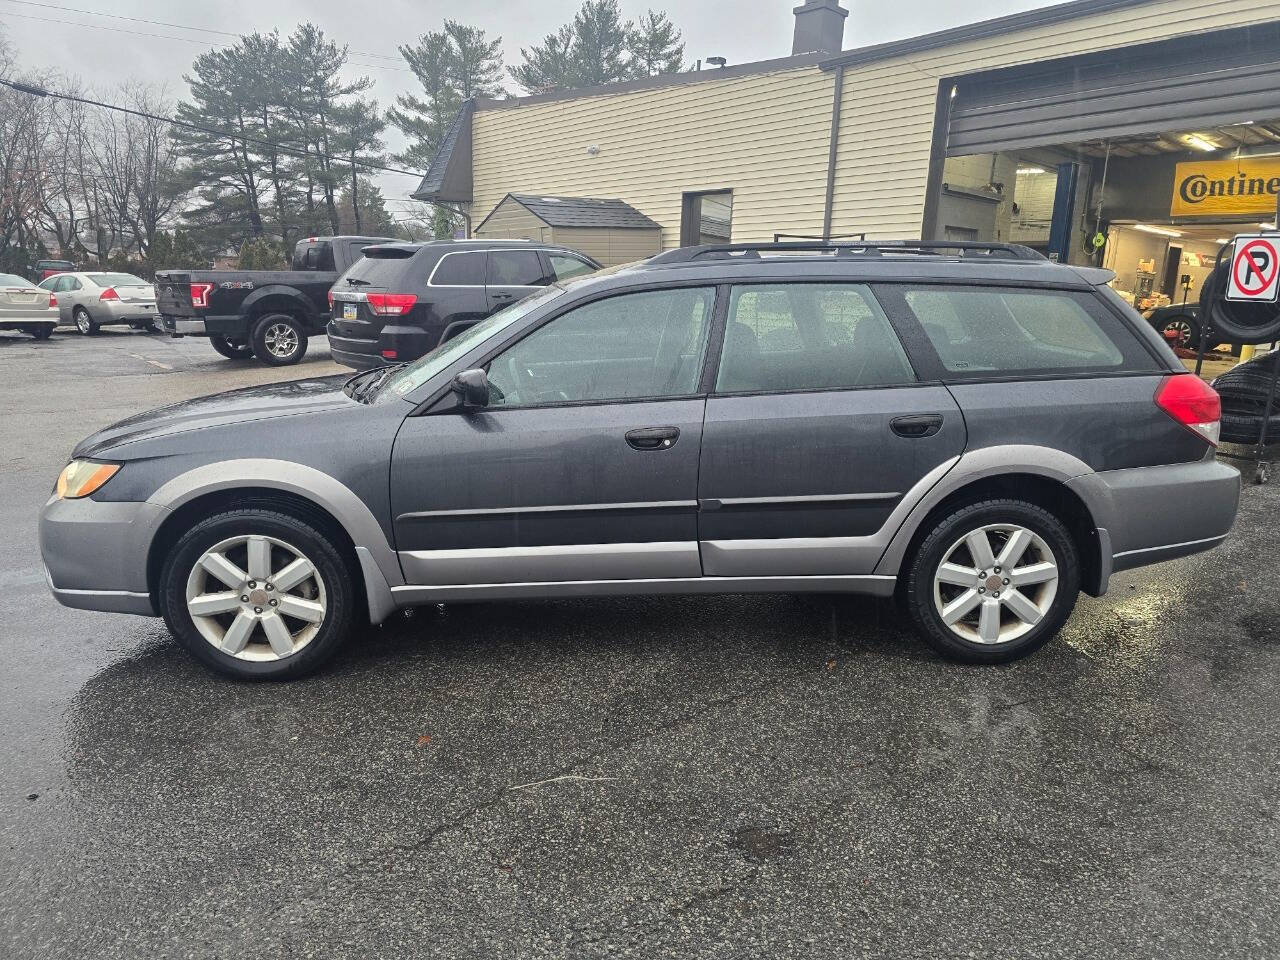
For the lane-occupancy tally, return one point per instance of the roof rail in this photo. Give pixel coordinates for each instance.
(851, 248)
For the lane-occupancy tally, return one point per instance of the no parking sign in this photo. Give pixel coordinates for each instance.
(1255, 269)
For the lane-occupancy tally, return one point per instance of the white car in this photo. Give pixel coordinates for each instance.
(92, 300)
(25, 307)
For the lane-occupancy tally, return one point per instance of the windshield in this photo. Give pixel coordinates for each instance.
(415, 374)
(118, 280)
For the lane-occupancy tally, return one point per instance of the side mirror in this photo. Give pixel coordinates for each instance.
(472, 388)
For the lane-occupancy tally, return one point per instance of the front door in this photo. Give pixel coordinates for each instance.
(584, 466)
(815, 432)
(513, 275)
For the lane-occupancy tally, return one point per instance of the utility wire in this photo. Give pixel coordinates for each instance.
(35, 91)
(163, 23)
(161, 36)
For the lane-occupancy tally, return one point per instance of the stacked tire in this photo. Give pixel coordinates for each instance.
(1244, 391)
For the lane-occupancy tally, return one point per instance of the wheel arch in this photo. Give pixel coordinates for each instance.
(278, 299)
(1037, 475)
(292, 488)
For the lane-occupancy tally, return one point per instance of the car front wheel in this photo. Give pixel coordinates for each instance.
(993, 581)
(279, 340)
(257, 594)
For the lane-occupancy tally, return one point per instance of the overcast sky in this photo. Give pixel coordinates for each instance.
(102, 50)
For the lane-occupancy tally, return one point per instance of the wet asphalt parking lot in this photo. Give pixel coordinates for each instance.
(689, 777)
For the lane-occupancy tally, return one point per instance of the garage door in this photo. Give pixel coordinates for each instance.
(1211, 79)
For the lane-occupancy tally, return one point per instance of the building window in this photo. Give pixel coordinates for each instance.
(706, 218)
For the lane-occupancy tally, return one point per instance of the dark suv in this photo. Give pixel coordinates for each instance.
(404, 299)
(973, 429)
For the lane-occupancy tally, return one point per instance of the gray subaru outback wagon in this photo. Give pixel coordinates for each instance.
(970, 428)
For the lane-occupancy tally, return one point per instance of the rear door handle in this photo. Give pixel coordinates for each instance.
(920, 425)
(653, 438)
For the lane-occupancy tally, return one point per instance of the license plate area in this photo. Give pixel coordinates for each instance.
(349, 311)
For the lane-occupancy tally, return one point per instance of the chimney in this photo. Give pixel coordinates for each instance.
(819, 27)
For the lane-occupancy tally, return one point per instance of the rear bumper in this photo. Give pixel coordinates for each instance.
(95, 554)
(354, 352)
(1151, 514)
(121, 311)
(13, 320)
(393, 344)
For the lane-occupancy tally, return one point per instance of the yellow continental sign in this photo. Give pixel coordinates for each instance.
(1224, 187)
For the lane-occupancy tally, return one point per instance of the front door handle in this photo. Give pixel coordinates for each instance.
(653, 438)
(920, 425)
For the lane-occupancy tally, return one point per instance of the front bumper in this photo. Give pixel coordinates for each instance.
(1151, 514)
(95, 553)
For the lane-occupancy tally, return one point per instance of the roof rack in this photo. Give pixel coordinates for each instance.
(852, 249)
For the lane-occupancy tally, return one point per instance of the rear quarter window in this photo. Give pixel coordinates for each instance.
(985, 331)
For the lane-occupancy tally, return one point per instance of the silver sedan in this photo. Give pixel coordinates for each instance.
(91, 300)
(25, 307)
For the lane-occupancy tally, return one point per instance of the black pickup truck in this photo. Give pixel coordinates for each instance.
(268, 314)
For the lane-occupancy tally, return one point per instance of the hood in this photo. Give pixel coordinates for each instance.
(235, 407)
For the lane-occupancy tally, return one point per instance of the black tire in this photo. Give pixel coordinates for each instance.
(84, 323)
(1246, 428)
(1187, 327)
(274, 332)
(1236, 322)
(42, 332)
(232, 349)
(336, 574)
(918, 591)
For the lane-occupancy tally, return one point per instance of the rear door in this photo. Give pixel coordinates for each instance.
(816, 430)
(512, 275)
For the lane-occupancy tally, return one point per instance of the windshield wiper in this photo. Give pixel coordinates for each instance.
(371, 390)
(357, 282)
(357, 384)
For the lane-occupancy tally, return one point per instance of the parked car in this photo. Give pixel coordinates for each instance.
(91, 300)
(43, 269)
(26, 308)
(404, 299)
(268, 314)
(968, 427)
(1179, 323)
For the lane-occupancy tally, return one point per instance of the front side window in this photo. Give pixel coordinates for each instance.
(514, 268)
(566, 267)
(627, 347)
(459, 270)
(808, 336)
(70, 284)
(984, 330)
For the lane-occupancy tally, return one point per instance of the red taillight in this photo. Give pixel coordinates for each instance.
(1193, 403)
(388, 354)
(391, 304)
(200, 294)
(53, 301)
(109, 294)
(330, 299)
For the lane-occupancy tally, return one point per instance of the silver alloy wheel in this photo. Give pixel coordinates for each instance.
(282, 340)
(256, 598)
(995, 583)
(83, 323)
(1183, 329)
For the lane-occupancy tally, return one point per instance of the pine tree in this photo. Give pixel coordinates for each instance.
(600, 44)
(655, 46)
(548, 66)
(453, 65)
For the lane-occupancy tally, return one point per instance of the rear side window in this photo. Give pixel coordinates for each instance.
(515, 268)
(980, 331)
(808, 336)
(460, 270)
(313, 255)
(566, 267)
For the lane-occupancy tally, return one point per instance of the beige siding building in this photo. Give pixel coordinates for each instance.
(931, 136)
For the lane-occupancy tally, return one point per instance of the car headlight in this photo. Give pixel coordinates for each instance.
(82, 477)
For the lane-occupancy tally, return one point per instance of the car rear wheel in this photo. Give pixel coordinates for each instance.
(43, 332)
(993, 581)
(232, 348)
(279, 340)
(257, 594)
(84, 322)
